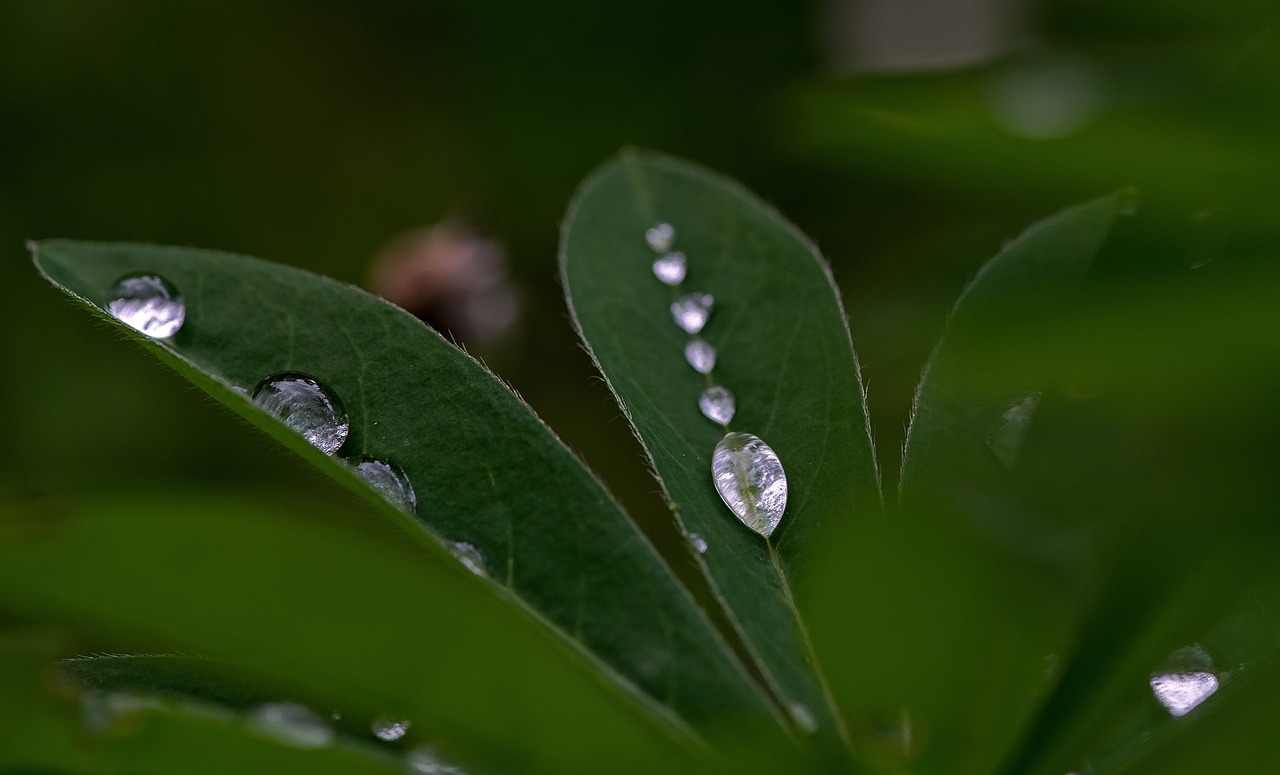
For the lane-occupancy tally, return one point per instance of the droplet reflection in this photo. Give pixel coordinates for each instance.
(305, 406)
(147, 303)
(660, 237)
(425, 760)
(671, 268)
(390, 481)
(1188, 681)
(717, 404)
(700, 355)
(470, 557)
(292, 724)
(388, 730)
(692, 310)
(750, 480)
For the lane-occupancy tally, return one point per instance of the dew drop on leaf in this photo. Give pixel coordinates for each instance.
(671, 268)
(470, 557)
(698, 543)
(750, 480)
(661, 237)
(700, 355)
(390, 481)
(147, 303)
(1005, 439)
(305, 406)
(803, 717)
(389, 730)
(292, 724)
(717, 404)
(1187, 680)
(692, 310)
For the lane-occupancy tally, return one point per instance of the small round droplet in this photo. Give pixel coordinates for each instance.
(292, 724)
(147, 303)
(470, 557)
(698, 543)
(671, 268)
(305, 406)
(390, 481)
(661, 237)
(700, 355)
(717, 404)
(389, 730)
(426, 760)
(692, 310)
(803, 717)
(750, 480)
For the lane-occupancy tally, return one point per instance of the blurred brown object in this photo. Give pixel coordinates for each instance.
(452, 278)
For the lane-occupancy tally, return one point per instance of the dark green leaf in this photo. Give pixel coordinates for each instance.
(783, 350)
(47, 730)
(343, 614)
(486, 471)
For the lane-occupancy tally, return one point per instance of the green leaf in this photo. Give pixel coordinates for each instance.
(972, 407)
(47, 730)
(342, 614)
(991, 582)
(783, 350)
(487, 472)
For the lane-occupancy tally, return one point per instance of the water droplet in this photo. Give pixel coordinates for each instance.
(1179, 693)
(1187, 681)
(291, 724)
(750, 480)
(390, 482)
(717, 404)
(803, 717)
(470, 557)
(425, 760)
(147, 303)
(388, 730)
(700, 355)
(671, 268)
(698, 543)
(303, 405)
(692, 310)
(1005, 440)
(661, 237)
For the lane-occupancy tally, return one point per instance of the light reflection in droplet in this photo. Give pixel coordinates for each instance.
(292, 724)
(147, 303)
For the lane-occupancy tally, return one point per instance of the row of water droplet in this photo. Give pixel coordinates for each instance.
(745, 470)
(152, 305)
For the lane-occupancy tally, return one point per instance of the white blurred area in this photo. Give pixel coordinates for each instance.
(863, 36)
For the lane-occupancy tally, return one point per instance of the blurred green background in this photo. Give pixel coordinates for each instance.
(910, 140)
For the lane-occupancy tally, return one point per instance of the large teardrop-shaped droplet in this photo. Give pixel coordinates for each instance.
(305, 406)
(148, 303)
(717, 404)
(390, 481)
(750, 480)
(1187, 680)
(692, 310)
